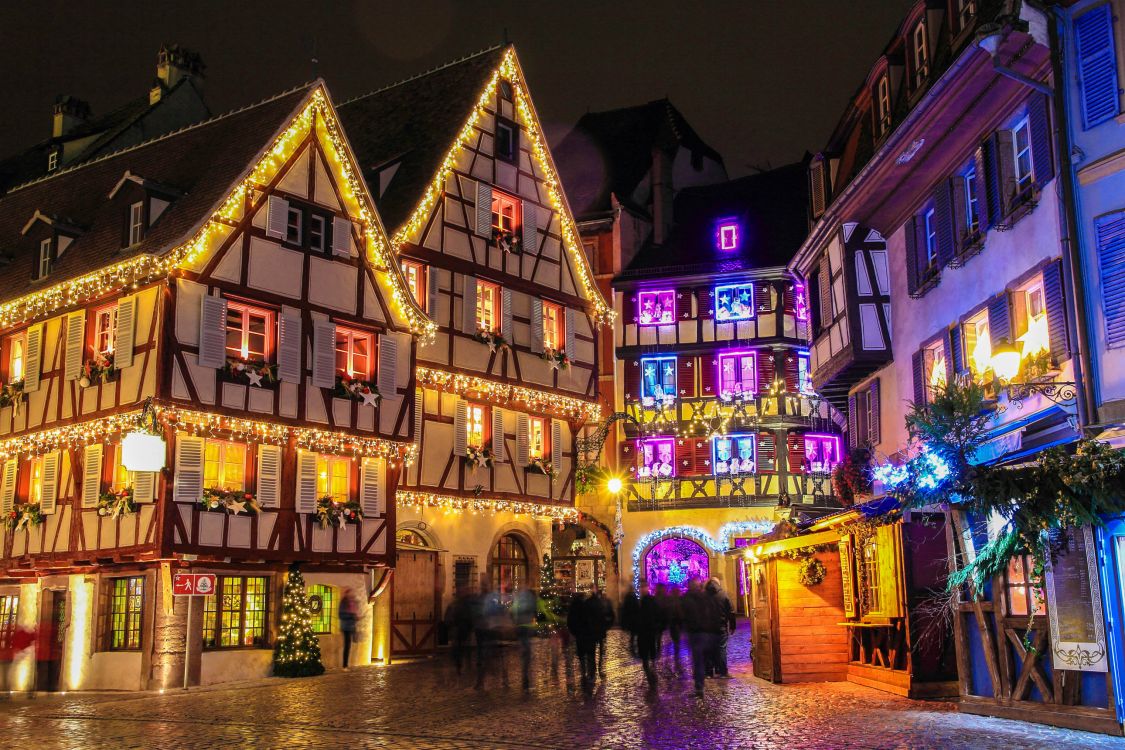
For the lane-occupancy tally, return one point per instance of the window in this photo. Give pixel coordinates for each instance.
(658, 378)
(804, 382)
(505, 211)
(929, 223)
(734, 454)
(507, 141)
(1023, 597)
(317, 232)
(122, 477)
(294, 218)
(553, 334)
(978, 345)
(1031, 328)
(105, 324)
(822, 452)
(966, 9)
(1021, 149)
(972, 200)
(869, 583)
(734, 302)
(727, 235)
(9, 609)
(415, 274)
(224, 465)
(53, 160)
(883, 103)
(537, 447)
(738, 375)
(354, 351)
(248, 333)
(136, 222)
(933, 360)
(488, 306)
(35, 485)
(236, 615)
(657, 308)
(45, 257)
(509, 564)
(333, 477)
(17, 353)
(126, 610)
(801, 303)
(657, 457)
(322, 607)
(921, 55)
(477, 426)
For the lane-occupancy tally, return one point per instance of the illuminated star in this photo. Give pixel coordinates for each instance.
(237, 506)
(369, 398)
(255, 378)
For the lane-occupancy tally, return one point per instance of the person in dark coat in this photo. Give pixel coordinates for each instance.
(669, 601)
(348, 613)
(649, 623)
(459, 618)
(525, 606)
(701, 618)
(602, 617)
(630, 608)
(581, 627)
(725, 625)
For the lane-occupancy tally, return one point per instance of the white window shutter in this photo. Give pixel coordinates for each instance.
(75, 344)
(92, 474)
(469, 306)
(506, 315)
(387, 380)
(461, 428)
(419, 412)
(324, 354)
(568, 332)
(523, 439)
(484, 210)
(373, 487)
(277, 217)
(341, 237)
(144, 486)
(50, 490)
(289, 345)
(124, 335)
(432, 292)
(306, 482)
(34, 359)
(269, 475)
(537, 326)
(556, 444)
(497, 434)
(213, 332)
(529, 229)
(187, 482)
(8, 486)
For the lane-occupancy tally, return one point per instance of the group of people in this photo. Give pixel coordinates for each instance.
(487, 619)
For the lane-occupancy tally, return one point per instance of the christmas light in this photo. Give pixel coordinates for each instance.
(890, 475)
(693, 533)
(419, 500)
(297, 651)
(477, 387)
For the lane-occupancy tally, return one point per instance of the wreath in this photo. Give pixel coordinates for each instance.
(812, 572)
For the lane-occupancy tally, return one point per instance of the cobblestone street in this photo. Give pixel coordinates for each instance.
(424, 705)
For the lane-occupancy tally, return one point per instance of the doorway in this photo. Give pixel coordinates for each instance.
(52, 637)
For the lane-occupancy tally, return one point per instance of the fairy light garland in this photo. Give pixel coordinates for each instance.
(476, 387)
(695, 534)
(419, 500)
(509, 71)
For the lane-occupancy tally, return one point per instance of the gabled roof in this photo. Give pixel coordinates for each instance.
(611, 152)
(769, 206)
(411, 125)
(203, 161)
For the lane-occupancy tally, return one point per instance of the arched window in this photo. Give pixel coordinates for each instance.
(411, 537)
(509, 564)
(675, 562)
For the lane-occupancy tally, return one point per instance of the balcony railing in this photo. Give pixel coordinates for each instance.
(711, 416)
(711, 491)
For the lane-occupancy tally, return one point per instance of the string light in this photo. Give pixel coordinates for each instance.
(419, 500)
(476, 387)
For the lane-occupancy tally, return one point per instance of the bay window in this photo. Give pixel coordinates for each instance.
(224, 465)
(488, 306)
(354, 353)
(734, 302)
(236, 615)
(249, 331)
(738, 375)
(658, 378)
(333, 477)
(734, 454)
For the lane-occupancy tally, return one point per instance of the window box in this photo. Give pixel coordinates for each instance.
(507, 240)
(11, 394)
(256, 373)
(332, 512)
(493, 339)
(99, 369)
(356, 389)
(969, 245)
(556, 358)
(233, 502)
(24, 516)
(540, 465)
(478, 458)
(120, 503)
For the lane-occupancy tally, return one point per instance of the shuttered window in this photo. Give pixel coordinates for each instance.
(415, 274)
(476, 430)
(488, 306)
(1097, 65)
(537, 445)
(105, 326)
(1111, 262)
(249, 333)
(224, 465)
(17, 357)
(553, 328)
(333, 477)
(353, 353)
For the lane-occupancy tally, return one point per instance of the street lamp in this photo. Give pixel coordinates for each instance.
(614, 485)
(1005, 361)
(1006, 365)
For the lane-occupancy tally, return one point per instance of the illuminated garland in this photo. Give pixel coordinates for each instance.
(419, 500)
(738, 527)
(510, 72)
(146, 268)
(476, 387)
(695, 534)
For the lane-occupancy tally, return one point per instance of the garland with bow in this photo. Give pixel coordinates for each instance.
(114, 504)
(25, 516)
(330, 512)
(234, 502)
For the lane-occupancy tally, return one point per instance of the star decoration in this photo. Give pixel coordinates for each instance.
(369, 398)
(255, 378)
(237, 506)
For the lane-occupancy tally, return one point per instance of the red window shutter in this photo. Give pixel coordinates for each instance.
(790, 372)
(684, 297)
(767, 452)
(627, 456)
(685, 376)
(629, 306)
(704, 302)
(632, 377)
(703, 456)
(708, 377)
(796, 452)
(789, 300)
(685, 457)
(766, 370)
(762, 300)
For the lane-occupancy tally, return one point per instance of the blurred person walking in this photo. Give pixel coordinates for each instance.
(724, 624)
(700, 617)
(670, 603)
(630, 609)
(525, 607)
(581, 627)
(602, 618)
(649, 622)
(348, 614)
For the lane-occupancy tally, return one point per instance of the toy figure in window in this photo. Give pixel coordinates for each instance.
(812, 455)
(665, 463)
(722, 457)
(828, 455)
(647, 312)
(645, 469)
(746, 453)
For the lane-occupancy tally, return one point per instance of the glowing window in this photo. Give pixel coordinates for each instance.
(126, 610)
(17, 352)
(122, 477)
(972, 200)
(1021, 147)
(727, 236)
(658, 457)
(105, 324)
(921, 54)
(1023, 597)
(1031, 319)
(883, 95)
(505, 211)
(354, 351)
(488, 306)
(734, 454)
(804, 382)
(553, 334)
(333, 477)
(738, 375)
(822, 452)
(35, 486)
(734, 302)
(656, 308)
(801, 302)
(978, 344)
(538, 437)
(224, 465)
(934, 364)
(322, 607)
(415, 274)
(248, 333)
(236, 615)
(476, 425)
(658, 378)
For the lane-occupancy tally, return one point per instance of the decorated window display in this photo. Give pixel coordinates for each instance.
(105, 321)
(657, 307)
(658, 380)
(734, 454)
(804, 382)
(676, 562)
(822, 452)
(738, 375)
(734, 302)
(658, 458)
(801, 302)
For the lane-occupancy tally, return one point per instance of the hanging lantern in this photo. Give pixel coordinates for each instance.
(1005, 361)
(143, 448)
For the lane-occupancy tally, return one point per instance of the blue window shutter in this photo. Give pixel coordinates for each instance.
(919, 378)
(1056, 312)
(1111, 263)
(990, 155)
(873, 427)
(1097, 65)
(943, 215)
(853, 435)
(956, 347)
(1040, 123)
(1000, 319)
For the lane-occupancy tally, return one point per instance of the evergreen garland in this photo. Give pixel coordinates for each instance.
(297, 651)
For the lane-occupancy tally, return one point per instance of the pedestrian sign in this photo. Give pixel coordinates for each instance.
(192, 584)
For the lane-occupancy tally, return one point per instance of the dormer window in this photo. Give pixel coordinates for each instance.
(293, 221)
(46, 257)
(883, 103)
(136, 223)
(507, 140)
(921, 55)
(53, 160)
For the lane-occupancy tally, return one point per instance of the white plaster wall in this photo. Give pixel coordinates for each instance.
(331, 645)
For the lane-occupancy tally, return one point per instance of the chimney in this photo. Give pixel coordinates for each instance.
(661, 194)
(68, 112)
(173, 64)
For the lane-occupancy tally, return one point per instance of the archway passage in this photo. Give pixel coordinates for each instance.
(676, 562)
(510, 567)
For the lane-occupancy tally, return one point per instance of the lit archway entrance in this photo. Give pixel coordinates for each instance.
(510, 567)
(675, 562)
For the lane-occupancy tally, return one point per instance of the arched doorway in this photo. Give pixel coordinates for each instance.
(578, 559)
(675, 561)
(416, 597)
(510, 564)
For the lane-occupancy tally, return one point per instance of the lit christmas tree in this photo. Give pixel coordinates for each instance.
(297, 653)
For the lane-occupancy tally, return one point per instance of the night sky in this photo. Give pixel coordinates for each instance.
(760, 81)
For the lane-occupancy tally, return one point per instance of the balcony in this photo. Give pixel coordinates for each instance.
(711, 415)
(760, 490)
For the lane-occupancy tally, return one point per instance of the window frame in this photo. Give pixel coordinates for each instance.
(128, 623)
(120, 478)
(248, 310)
(976, 331)
(658, 296)
(544, 451)
(870, 585)
(292, 227)
(1017, 578)
(19, 338)
(503, 563)
(9, 619)
(492, 307)
(883, 104)
(660, 361)
(929, 233)
(513, 140)
(323, 245)
(824, 439)
(554, 340)
(972, 200)
(930, 352)
(108, 314)
(136, 223)
(416, 276)
(1025, 180)
(739, 289)
(213, 611)
(352, 335)
(222, 461)
(804, 373)
(920, 44)
(500, 202)
(35, 479)
(734, 439)
(485, 425)
(327, 469)
(46, 257)
(738, 357)
(53, 160)
(322, 623)
(644, 468)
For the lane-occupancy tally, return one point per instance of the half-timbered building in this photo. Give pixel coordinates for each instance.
(463, 178)
(230, 282)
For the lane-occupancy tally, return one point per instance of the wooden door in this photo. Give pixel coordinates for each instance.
(763, 622)
(416, 603)
(52, 637)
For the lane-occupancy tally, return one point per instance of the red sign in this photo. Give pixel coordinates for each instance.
(191, 584)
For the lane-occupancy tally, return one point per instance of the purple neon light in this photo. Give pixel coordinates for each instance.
(656, 308)
(747, 389)
(734, 302)
(657, 458)
(728, 235)
(822, 452)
